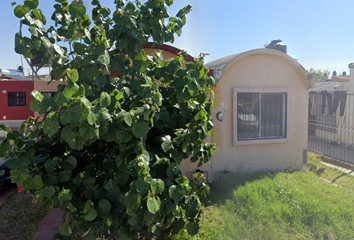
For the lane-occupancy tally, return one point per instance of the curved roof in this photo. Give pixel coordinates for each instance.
(221, 65)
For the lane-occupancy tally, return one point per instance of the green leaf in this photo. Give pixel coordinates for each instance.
(45, 44)
(193, 228)
(77, 9)
(128, 119)
(20, 11)
(140, 66)
(204, 190)
(65, 116)
(210, 80)
(79, 113)
(90, 193)
(58, 49)
(35, 105)
(33, 183)
(183, 181)
(65, 195)
(134, 220)
(167, 144)
(64, 176)
(50, 164)
(19, 175)
(142, 186)
(91, 118)
(73, 75)
(157, 186)
(70, 90)
(79, 48)
(101, 81)
(153, 204)
(50, 126)
(65, 229)
(123, 135)
(5, 147)
(22, 161)
(140, 129)
(50, 179)
(68, 135)
(104, 58)
(172, 170)
(5, 128)
(169, 2)
(39, 159)
(69, 163)
(121, 177)
(132, 200)
(48, 191)
(88, 133)
(108, 185)
(103, 114)
(104, 205)
(31, 4)
(178, 225)
(91, 215)
(178, 157)
(87, 206)
(37, 95)
(105, 99)
(149, 218)
(176, 192)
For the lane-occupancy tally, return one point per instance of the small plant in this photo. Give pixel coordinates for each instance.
(107, 147)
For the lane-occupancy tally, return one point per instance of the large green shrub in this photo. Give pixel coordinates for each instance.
(107, 149)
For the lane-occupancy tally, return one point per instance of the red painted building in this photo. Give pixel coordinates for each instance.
(15, 97)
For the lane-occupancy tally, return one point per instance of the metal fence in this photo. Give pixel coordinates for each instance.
(331, 124)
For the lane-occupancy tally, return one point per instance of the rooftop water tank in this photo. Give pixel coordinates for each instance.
(277, 45)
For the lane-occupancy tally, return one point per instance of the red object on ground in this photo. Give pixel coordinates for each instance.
(19, 189)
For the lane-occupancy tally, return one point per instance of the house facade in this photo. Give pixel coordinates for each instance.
(15, 97)
(260, 116)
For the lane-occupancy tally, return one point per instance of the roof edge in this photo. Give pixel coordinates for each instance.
(168, 48)
(218, 72)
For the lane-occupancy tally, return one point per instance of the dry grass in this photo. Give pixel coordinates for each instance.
(19, 217)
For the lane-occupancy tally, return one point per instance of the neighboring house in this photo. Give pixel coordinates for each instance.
(331, 119)
(15, 96)
(260, 116)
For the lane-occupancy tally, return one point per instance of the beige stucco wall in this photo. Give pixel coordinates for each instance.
(43, 86)
(259, 72)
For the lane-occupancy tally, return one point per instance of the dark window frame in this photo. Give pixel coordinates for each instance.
(16, 99)
(256, 122)
(48, 94)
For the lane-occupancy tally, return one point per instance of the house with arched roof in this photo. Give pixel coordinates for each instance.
(260, 115)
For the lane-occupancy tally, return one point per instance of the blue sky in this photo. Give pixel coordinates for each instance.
(319, 34)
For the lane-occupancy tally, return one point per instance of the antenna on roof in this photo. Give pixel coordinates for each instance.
(265, 45)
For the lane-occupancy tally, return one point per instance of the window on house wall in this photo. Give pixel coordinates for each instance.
(48, 94)
(17, 99)
(261, 116)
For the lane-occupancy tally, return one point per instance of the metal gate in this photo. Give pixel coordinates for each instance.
(331, 124)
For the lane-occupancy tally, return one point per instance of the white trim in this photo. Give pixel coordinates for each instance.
(236, 142)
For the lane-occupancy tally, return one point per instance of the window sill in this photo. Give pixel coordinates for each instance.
(260, 141)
